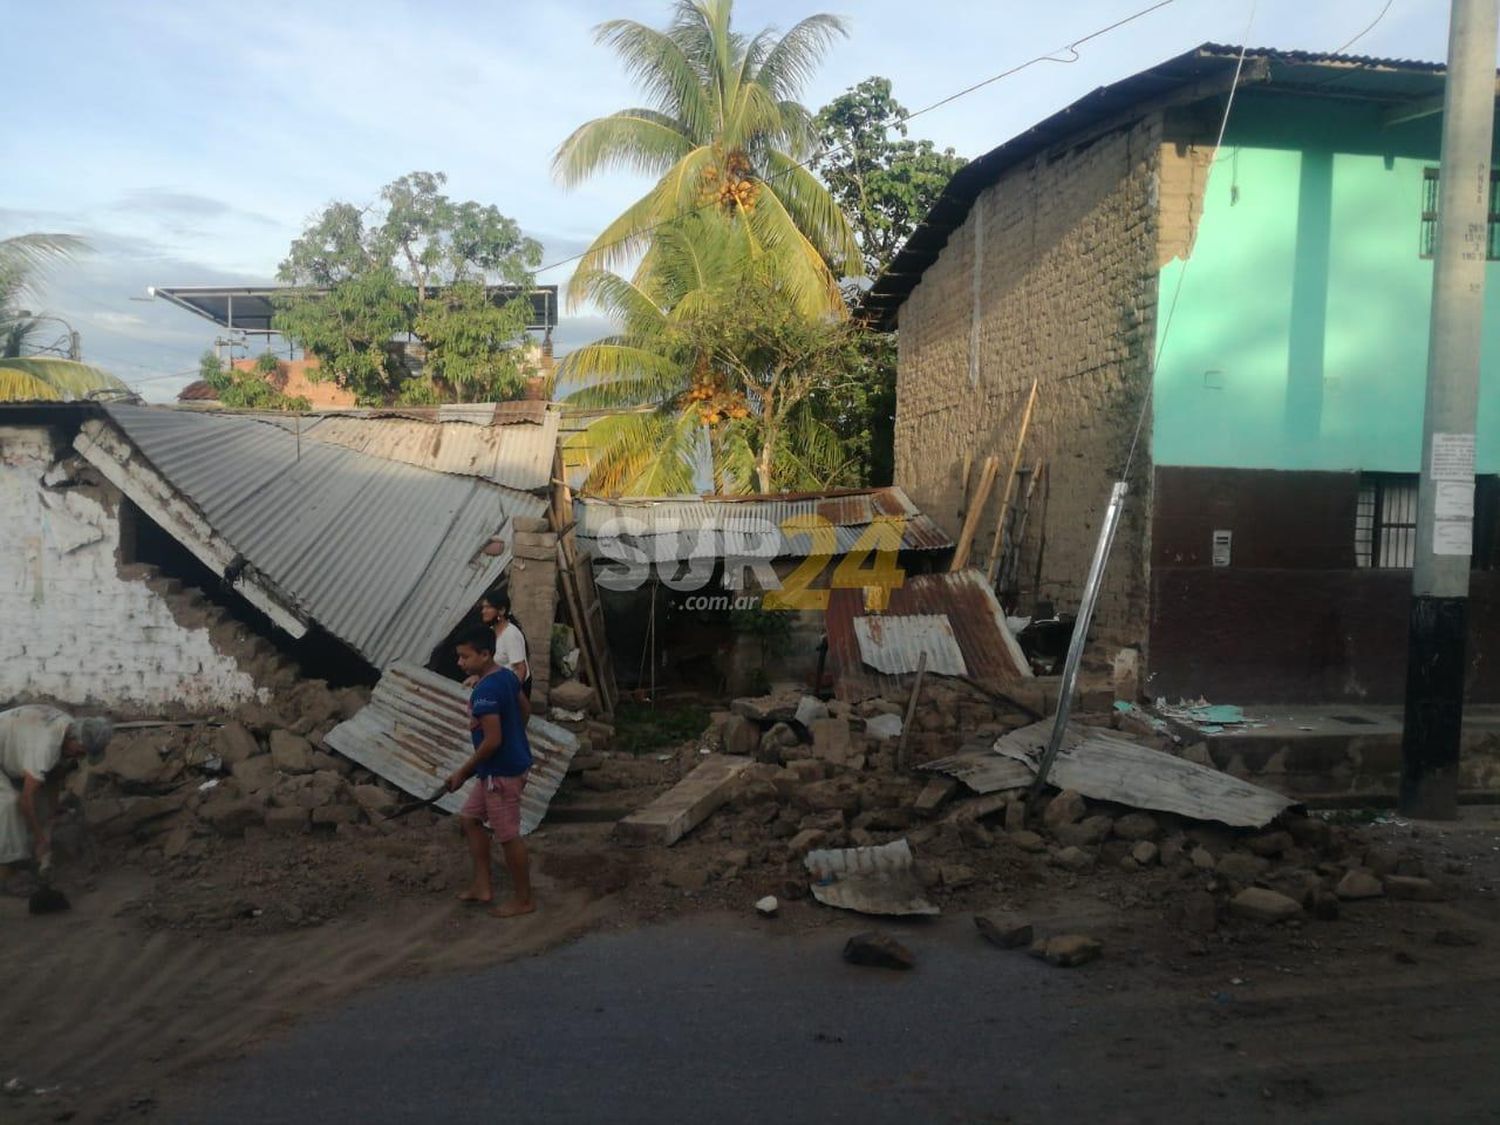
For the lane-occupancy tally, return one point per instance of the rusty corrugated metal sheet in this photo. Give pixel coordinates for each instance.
(989, 651)
(894, 643)
(463, 439)
(693, 527)
(414, 732)
(384, 555)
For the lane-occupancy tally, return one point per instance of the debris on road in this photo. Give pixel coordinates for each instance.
(767, 907)
(870, 880)
(1068, 951)
(1004, 937)
(878, 951)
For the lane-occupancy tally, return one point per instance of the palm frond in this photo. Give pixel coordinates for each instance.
(26, 251)
(817, 215)
(633, 140)
(792, 62)
(69, 379)
(799, 263)
(667, 74)
(18, 386)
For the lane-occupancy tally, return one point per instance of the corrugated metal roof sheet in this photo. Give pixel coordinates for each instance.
(383, 555)
(880, 879)
(893, 643)
(463, 439)
(989, 651)
(694, 527)
(1296, 72)
(414, 732)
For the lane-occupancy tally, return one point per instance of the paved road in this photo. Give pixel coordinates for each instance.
(729, 1023)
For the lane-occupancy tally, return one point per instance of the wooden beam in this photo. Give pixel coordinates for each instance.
(976, 510)
(993, 566)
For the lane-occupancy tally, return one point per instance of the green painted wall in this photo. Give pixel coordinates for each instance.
(1299, 337)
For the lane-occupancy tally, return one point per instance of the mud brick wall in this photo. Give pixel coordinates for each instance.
(1065, 294)
(76, 627)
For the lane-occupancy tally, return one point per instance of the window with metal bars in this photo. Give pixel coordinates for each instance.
(1385, 521)
(1427, 241)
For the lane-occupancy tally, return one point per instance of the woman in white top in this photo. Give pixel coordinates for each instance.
(510, 642)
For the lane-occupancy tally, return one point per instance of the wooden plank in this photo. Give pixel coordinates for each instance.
(686, 805)
(1010, 569)
(1010, 485)
(975, 513)
(911, 712)
(1106, 767)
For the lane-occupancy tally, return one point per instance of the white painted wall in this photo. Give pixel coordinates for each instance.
(71, 628)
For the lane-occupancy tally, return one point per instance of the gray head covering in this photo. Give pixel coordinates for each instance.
(93, 733)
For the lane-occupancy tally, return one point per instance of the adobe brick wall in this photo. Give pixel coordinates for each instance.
(1067, 296)
(74, 626)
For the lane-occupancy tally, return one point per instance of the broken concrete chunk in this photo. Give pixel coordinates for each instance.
(136, 764)
(739, 736)
(1203, 859)
(290, 752)
(686, 805)
(1136, 826)
(883, 726)
(1412, 889)
(810, 708)
(1003, 937)
(1067, 807)
(233, 743)
(1068, 951)
(1027, 841)
(831, 740)
(878, 951)
(1358, 885)
(374, 798)
(1091, 830)
(767, 709)
(1261, 905)
(257, 774)
(1242, 868)
(767, 907)
(571, 696)
(956, 876)
(1144, 853)
(1073, 859)
(934, 793)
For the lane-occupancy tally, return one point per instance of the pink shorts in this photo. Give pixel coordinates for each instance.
(497, 802)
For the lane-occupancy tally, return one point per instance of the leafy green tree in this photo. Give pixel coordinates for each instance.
(249, 390)
(418, 267)
(716, 364)
(885, 182)
(723, 132)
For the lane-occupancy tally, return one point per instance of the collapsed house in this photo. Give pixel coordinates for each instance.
(1273, 312)
(706, 590)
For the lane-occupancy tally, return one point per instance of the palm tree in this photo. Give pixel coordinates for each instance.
(723, 132)
(713, 365)
(21, 259)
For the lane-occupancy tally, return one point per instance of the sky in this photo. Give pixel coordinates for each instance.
(190, 143)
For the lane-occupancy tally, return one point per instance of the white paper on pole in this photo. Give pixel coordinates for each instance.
(1455, 500)
(1453, 537)
(1453, 457)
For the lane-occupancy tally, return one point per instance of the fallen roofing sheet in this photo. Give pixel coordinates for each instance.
(699, 527)
(1106, 767)
(983, 770)
(414, 732)
(464, 439)
(384, 555)
(871, 880)
(894, 643)
(990, 653)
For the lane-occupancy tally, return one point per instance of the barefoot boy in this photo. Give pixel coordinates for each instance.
(498, 713)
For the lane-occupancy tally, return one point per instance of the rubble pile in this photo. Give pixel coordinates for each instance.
(176, 788)
(820, 779)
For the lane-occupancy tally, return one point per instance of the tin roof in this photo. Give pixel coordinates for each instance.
(414, 732)
(465, 439)
(694, 527)
(384, 555)
(894, 643)
(1388, 82)
(964, 598)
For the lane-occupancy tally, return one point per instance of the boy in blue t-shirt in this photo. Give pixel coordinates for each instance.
(498, 713)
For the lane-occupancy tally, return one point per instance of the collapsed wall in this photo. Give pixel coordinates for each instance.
(77, 625)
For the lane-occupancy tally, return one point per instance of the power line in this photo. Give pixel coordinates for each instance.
(1373, 25)
(806, 165)
(1166, 327)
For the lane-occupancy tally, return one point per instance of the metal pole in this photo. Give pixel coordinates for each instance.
(1445, 507)
(1080, 636)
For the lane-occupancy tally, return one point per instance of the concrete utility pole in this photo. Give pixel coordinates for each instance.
(1445, 509)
